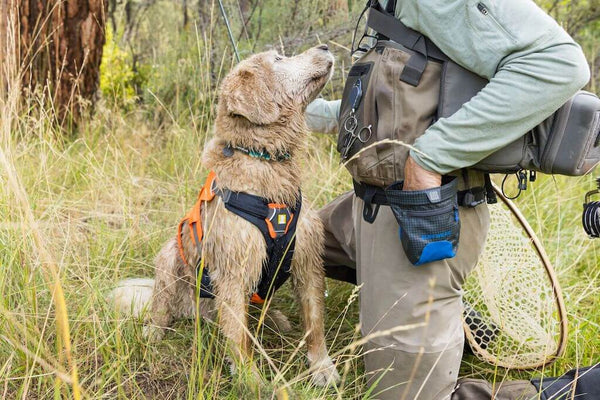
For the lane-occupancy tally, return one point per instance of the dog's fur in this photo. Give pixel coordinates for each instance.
(261, 106)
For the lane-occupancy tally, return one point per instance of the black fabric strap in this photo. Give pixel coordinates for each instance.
(414, 68)
(378, 197)
(471, 197)
(373, 195)
(390, 7)
(386, 24)
(489, 190)
(206, 289)
(247, 206)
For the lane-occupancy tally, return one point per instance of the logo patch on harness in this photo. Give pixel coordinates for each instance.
(279, 220)
(282, 219)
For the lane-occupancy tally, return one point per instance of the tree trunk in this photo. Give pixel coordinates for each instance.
(6, 50)
(185, 14)
(60, 49)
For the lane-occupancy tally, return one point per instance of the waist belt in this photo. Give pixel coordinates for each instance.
(374, 197)
(277, 223)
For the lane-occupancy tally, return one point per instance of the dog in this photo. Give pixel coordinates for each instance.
(259, 138)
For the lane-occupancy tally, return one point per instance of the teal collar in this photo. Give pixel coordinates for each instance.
(262, 154)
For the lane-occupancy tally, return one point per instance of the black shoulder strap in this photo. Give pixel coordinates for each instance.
(390, 7)
(385, 23)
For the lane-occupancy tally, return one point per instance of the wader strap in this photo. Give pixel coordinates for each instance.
(489, 190)
(370, 195)
(370, 213)
(388, 25)
(373, 195)
(472, 197)
(414, 68)
(391, 7)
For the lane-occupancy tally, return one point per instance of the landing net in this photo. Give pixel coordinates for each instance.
(514, 312)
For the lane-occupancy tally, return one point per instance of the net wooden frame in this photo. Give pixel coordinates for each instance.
(491, 321)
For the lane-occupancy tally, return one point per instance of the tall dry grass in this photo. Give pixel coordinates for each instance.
(78, 215)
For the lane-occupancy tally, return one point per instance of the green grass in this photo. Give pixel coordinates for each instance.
(106, 201)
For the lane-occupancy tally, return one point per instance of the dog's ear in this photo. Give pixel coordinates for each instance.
(249, 96)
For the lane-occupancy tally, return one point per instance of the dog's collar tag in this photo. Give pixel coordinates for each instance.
(228, 151)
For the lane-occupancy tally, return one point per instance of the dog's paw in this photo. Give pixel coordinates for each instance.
(324, 373)
(153, 333)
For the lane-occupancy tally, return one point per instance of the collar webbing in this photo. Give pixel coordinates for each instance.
(262, 154)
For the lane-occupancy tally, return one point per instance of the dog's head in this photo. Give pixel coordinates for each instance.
(269, 88)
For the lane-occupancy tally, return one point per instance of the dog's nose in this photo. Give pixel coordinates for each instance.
(323, 47)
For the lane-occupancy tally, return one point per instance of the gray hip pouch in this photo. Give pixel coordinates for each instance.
(429, 221)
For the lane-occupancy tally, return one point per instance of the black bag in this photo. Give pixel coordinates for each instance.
(580, 384)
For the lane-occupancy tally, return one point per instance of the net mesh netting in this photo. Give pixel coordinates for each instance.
(511, 314)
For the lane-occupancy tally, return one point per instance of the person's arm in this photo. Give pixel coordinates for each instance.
(525, 91)
(322, 115)
(533, 66)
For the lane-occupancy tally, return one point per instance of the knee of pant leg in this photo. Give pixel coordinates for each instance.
(422, 310)
(436, 329)
(398, 374)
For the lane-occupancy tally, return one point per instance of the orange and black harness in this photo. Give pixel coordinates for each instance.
(277, 223)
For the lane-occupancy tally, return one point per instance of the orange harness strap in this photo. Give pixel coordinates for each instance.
(194, 217)
(278, 222)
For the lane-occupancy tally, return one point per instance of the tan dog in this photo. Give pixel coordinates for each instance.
(261, 106)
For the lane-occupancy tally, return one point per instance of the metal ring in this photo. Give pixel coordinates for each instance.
(350, 124)
(369, 133)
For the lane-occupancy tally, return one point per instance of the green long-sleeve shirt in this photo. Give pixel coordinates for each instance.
(533, 65)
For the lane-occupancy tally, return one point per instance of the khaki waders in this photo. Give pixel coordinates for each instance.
(414, 313)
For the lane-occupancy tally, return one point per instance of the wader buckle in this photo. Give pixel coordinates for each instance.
(370, 213)
(472, 197)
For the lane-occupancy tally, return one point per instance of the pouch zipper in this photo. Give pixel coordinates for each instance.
(430, 213)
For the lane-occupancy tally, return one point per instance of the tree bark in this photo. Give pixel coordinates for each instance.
(6, 47)
(185, 14)
(59, 49)
(3, 32)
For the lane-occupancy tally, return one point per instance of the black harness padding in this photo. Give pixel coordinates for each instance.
(277, 223)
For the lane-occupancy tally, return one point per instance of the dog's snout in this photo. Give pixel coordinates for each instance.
(323, 47)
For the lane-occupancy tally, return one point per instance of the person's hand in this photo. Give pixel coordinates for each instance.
(322, 116)
(418, 178)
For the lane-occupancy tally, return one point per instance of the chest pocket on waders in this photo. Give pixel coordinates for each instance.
(390, 111)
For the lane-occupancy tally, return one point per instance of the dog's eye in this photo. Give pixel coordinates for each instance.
(278, 58)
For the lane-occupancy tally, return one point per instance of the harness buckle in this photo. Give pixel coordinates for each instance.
(225, 195)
